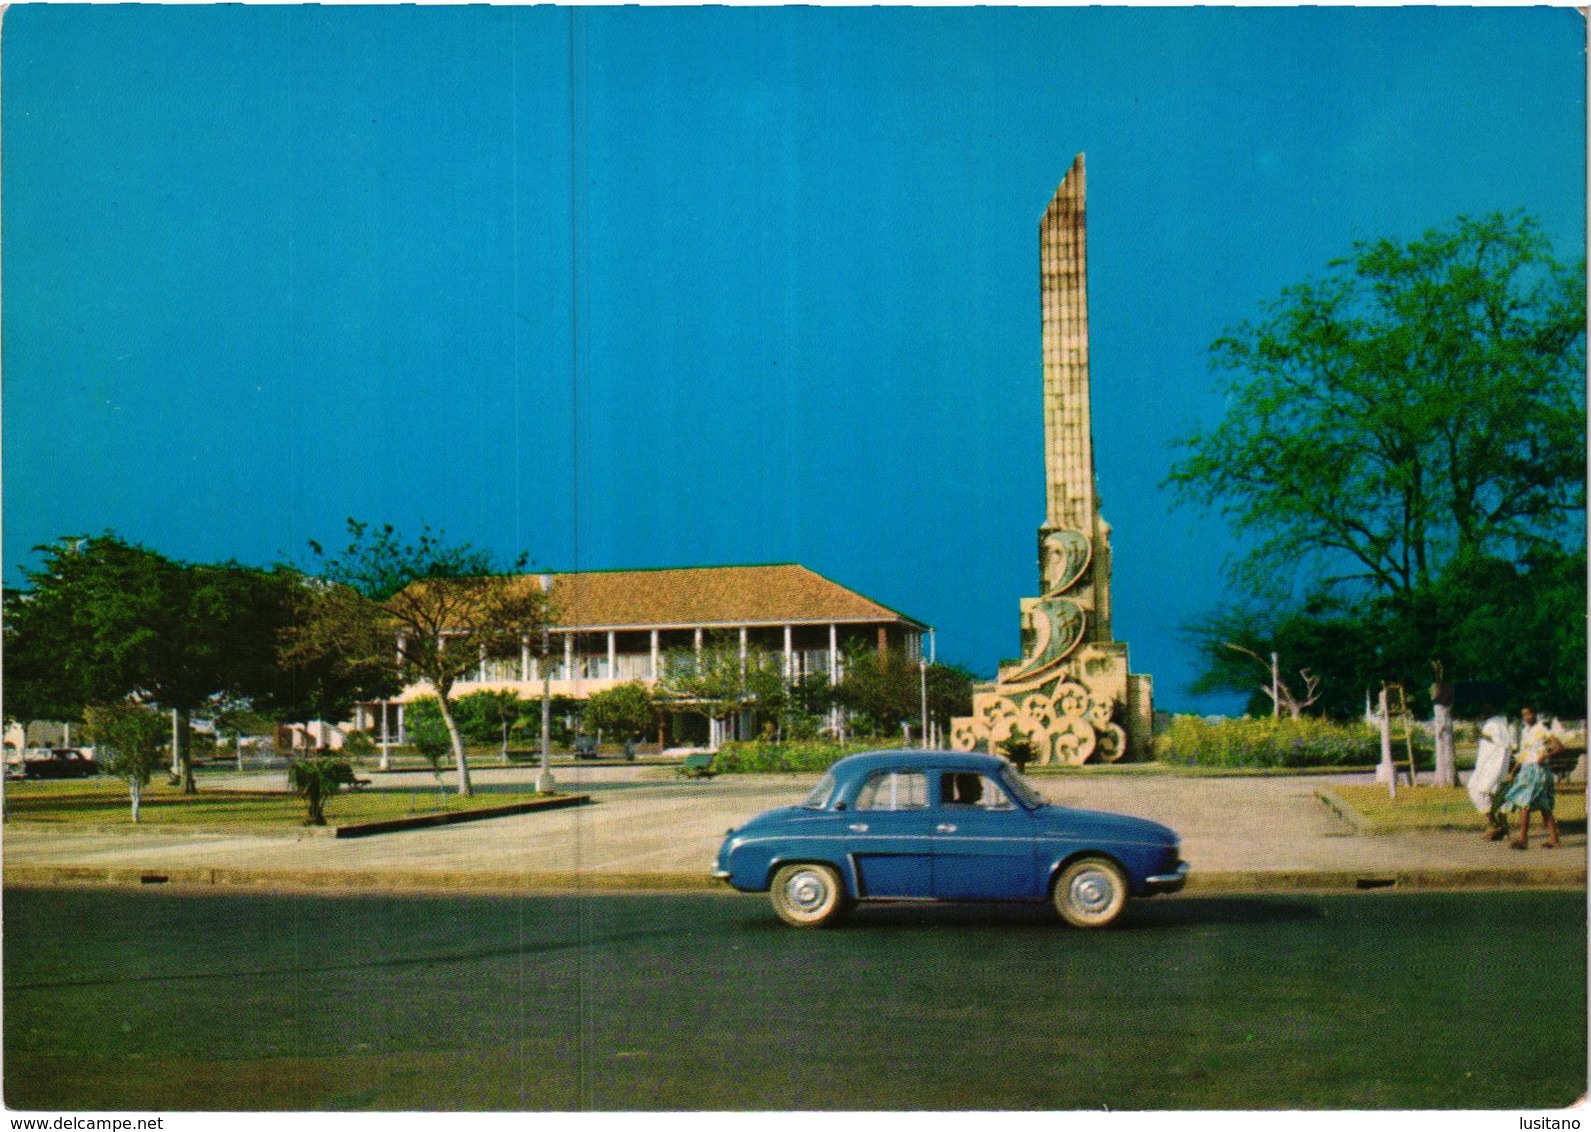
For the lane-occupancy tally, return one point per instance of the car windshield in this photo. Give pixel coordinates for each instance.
(819, 797)
(1020, 789)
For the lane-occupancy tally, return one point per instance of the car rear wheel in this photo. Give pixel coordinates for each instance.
(1091, 892)
(808, 896)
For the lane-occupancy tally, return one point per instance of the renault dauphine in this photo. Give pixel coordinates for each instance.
(944, 825)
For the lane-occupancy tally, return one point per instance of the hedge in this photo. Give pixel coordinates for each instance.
(1307, 741)
(816, 756)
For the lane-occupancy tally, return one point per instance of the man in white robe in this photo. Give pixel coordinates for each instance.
(1493, 754)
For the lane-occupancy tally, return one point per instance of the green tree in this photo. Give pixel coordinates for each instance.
(883, 690)
(1520, 625)
(880, 689)
(1421, 401)
(127, 738)
(1403, 447)
(103, 619)
(432, 610)
(329, 656)
(949, 692)
(625, 710)
(488, 716)
(718, 681)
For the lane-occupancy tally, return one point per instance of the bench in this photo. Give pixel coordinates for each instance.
(343, 775)
(1563, 763)
(697, 766)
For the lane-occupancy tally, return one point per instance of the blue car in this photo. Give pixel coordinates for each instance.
(944, 825)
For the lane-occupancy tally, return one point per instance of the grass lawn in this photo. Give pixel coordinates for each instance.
(1424, 807)
(103, 802)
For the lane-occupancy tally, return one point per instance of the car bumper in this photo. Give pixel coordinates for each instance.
(1168, 882)
(720, 874)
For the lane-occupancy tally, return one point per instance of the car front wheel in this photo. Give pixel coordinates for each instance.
(1091, 893)
(808, 896)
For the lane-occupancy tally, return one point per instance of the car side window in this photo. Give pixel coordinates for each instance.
(965, 788)
(894, 790)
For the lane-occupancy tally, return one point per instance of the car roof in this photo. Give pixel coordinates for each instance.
(868, 761)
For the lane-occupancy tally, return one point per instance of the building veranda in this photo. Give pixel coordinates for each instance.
(612, 627)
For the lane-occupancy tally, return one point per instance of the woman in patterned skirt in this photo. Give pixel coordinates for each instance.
(1532, 787)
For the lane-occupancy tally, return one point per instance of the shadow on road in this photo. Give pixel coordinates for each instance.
(1148, 915)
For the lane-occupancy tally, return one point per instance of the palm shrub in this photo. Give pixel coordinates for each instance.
(317, 778)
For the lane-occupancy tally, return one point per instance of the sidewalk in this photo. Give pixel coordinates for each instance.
(647, 829)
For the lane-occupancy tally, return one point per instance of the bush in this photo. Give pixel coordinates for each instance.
(1191, 741)
(788, 758)
(358, 745)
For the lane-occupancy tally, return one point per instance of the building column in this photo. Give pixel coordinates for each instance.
(568, 656)
(524, 660)
(834, 675)
(403, 734)
(742, 652)
(698, 644)
(613, 655)
(789, 655)
(654, 673)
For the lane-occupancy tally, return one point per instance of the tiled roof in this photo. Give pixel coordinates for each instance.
(709, 595)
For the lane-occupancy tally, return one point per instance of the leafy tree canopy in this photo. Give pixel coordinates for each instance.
(1421, 401)
(104, 619)
(430, 609)
(624, 710)
(1404, 445)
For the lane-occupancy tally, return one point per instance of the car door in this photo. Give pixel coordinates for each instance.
(889, 835)
(983, 842)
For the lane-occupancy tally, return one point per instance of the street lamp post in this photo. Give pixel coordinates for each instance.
(544, 778)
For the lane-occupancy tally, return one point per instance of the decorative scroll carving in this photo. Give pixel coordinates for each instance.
(1064, 556)
(1058, 627)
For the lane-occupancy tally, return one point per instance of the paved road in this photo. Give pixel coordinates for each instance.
(649, 828)
(147, 1000)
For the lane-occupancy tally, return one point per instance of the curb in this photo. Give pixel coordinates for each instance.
(453, 817)
(301, 832)
(562, 883)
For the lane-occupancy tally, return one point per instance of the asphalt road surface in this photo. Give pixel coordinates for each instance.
(149, 1000)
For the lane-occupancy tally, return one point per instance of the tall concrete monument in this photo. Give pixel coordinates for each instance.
(1070, 695)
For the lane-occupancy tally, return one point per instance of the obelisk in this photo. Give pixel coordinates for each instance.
(1070, 697)
(1071, 496)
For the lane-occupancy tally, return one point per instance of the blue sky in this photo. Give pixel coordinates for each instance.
(652, 287)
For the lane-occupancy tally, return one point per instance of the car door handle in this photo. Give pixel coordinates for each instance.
(858, 827)
(945, 827)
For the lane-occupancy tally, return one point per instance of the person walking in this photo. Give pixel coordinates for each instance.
(1532, 788)
(1493, 753)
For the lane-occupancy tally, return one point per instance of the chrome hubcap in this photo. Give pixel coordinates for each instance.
(807, 891)
(1092, 892)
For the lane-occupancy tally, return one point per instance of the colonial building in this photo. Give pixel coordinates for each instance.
(614, 626)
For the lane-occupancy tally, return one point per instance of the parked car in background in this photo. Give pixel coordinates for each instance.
(59, 762)
(944, 825)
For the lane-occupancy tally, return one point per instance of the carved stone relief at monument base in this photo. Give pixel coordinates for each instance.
(1063, 721)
